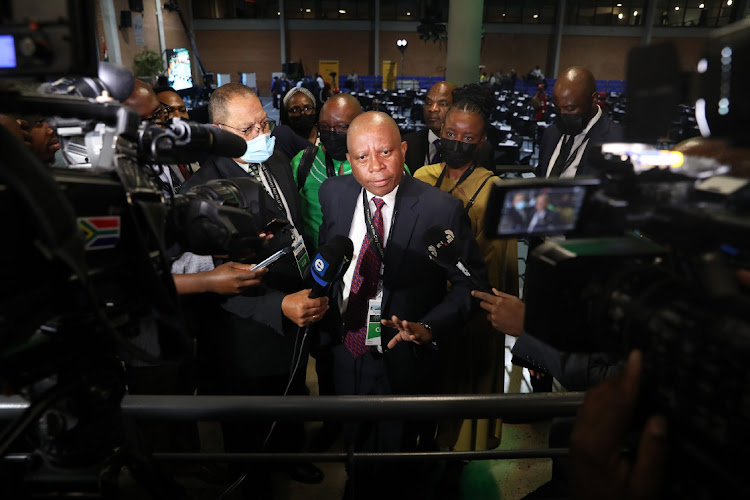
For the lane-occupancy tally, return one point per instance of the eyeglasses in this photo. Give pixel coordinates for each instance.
(254, 130)
(341, 128)
(161, 114)
(296, 110)
(177, 109)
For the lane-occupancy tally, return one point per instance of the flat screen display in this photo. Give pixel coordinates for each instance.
(541, 211)
(7, 52)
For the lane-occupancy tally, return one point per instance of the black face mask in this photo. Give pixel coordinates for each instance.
(571, 124)
(302, 124)
(456, 154)
(335, 144)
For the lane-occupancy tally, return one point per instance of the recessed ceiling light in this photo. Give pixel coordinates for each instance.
(620, 16)
(677, 7)
(308, 10)
(342, 11)
(536, 16)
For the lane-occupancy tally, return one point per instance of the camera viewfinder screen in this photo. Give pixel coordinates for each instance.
(541, 211)
(7, 52)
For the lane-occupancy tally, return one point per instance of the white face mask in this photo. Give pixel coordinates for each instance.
(259, 149)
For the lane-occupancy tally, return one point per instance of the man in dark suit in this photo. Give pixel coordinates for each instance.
(567, 145)
(386, 214)
(250, 338)
(423, 146)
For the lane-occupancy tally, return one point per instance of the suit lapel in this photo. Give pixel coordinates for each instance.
(405, 218)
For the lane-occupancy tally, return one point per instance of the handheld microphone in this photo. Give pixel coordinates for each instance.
(330, 264)
(444, 251)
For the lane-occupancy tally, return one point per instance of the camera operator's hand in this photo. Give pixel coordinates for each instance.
(409, 331)
(505, 312)
(229, 278)
(303, 310)
(598, 467)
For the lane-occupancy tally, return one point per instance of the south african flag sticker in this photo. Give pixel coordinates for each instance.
(100, 232)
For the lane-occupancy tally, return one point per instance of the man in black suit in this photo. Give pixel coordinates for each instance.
(567, 145)
(386, 214)
(423, 147)
(250, 338)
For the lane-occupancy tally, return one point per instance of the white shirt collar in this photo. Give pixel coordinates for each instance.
(431, 137)
(390, 198)
(592, 122)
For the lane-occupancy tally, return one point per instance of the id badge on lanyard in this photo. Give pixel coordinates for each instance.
(300, 253)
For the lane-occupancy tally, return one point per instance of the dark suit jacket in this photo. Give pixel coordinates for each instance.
(256, 338)
(604, 130)
(414, 286)
(417, 147)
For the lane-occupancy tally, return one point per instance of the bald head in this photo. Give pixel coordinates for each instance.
(385, 125)
(343, 100)
(339, 111)
(575, 96)
(436, 104)
(376, 152)
(142, 100)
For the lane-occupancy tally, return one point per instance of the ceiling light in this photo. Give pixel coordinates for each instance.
(620, 16)
(677, 7)
(308, 10)
(408, 13)
(729, 2)
(635, 13)
(702, 6)
(536, 16)
(619, 5)
(342, 11)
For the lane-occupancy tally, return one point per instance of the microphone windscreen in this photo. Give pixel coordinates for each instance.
(226, 143)
(438, 241)
(332, 260)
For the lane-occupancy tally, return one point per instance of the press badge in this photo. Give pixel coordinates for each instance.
(373, 321)
(300, 253)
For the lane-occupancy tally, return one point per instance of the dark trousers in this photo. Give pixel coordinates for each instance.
(367, 375)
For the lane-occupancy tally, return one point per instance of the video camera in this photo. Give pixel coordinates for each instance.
(87, 264)
(644, 256)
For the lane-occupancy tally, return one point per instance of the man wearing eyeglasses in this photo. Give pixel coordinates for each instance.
(252, 337)
(172, 101)
(143, 101)
(315, 164)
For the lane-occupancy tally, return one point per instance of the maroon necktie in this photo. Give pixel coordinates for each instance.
(364, 287)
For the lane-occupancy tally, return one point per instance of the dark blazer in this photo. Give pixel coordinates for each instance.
(256, 338)
(417, 147)
(604, 130)
(414, 286)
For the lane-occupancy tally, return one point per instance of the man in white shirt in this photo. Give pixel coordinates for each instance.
(580, 124)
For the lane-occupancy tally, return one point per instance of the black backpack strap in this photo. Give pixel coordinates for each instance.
(305, 165)
(474, 198)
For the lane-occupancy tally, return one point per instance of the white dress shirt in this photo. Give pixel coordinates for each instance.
(579, 147)
(431, 148)
(357, 234)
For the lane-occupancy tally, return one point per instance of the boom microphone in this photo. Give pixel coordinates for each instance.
(183, 141)
(444, 250)
(330, 264)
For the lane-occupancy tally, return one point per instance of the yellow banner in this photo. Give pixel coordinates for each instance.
(390, 70)
(325, 68)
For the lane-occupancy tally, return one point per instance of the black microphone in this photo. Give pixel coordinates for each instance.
(183, 141)
(444, 250)
(330, 264)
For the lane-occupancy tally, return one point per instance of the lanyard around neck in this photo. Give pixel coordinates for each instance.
(461, 179)
(372, 232)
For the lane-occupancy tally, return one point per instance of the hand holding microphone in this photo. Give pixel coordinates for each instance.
(328, 266)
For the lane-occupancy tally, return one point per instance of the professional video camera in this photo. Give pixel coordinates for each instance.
(648, 261)
(86, 261)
